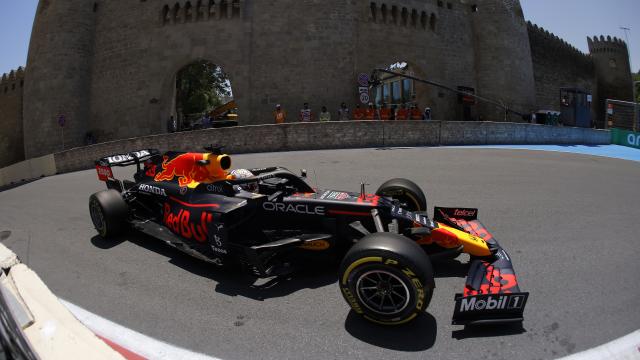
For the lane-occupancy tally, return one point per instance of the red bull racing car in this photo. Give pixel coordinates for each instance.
(262, 218)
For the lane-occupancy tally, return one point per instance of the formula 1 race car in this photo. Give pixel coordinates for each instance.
(260, 218)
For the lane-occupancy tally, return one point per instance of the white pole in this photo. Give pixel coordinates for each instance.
(636, 118)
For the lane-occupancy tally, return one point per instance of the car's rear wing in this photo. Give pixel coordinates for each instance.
(103, 165)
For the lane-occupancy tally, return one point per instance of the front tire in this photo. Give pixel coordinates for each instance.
(387, 279)
(108, 212)
(405, 191)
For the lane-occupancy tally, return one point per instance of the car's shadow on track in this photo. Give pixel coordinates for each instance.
(488, 331)
(232, 280)
(418, 335)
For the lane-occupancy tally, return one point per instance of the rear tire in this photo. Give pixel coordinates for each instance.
(405, 191)
(387, 279)
(108, 213)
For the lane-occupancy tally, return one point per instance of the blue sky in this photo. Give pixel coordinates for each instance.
(572, 20)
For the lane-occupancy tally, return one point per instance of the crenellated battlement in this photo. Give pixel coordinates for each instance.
(12, 81)
(557, 45)
(607, 45)
(201, 10)
(392, 14)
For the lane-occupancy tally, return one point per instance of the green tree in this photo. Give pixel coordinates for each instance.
(200, 87)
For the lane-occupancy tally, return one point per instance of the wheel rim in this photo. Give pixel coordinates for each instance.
(96, 215)
(382, 292)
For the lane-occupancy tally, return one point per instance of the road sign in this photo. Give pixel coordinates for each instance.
(62, 120)
(363, 79)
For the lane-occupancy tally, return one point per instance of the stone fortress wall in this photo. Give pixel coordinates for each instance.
(11, 134)
(109, 66)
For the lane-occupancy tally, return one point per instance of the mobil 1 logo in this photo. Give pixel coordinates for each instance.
(490, 306)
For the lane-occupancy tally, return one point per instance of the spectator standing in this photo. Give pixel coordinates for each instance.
(358, 113)
(402, 113)
(172, 125)
(306, 115)
(416, 114)
(427, 113)
(370, 113)
(325, 115)
(279, 116)
(385, 112)
(206, 121)
(343, 113)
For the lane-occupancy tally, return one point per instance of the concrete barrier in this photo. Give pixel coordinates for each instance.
(27, 170)
(314, 136)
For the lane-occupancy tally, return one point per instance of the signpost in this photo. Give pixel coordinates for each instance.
(363, 88)
(62, 120)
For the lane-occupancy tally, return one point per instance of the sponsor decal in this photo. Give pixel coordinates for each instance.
(181, 223)
(215, 188)
(184, 167)
(104, 172)
(116, 159)
(301, 209)
(334, 195)
(501, 302)
(464, 213)
(351, 300)
(150, 169)
(152, 189)
(183, 190)
(316, 245)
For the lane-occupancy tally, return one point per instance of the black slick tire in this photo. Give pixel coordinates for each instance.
(387, 279)
(405, 191)
(108, 213)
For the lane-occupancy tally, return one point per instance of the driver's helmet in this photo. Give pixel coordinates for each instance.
(243, 174)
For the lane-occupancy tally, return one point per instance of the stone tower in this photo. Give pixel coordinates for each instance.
(58, 77)
(504, 69)
(613, 71)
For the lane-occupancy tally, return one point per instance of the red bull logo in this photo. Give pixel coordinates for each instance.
(190, 169)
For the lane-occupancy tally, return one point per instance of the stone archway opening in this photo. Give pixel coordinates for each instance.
(203, 98)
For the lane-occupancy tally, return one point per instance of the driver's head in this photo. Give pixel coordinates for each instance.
(244, 174)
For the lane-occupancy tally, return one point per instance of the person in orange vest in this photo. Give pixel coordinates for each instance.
(358, 113)
(370, 113)
(416, 114)
(279, 115)
(402, 113)
(385, 112)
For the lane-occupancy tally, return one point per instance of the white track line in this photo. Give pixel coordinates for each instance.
(131, 340)
(624, 348)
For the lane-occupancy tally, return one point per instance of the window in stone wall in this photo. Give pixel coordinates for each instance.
(165, 15)
(613, 64)
(21, 83)
(187, 12)
(414, 17)
(432, 22)
(374, 11)
(212, 9)
(199, 11)
(394, 14)
(13, 86)
(405, 16)
(235, 11)
(383, 10)
(440, 3)
(224, 9)
(449, 6)
(423, 20)
(176, 13)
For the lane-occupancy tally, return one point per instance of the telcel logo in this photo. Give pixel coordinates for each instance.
(491, 303)
(633, 140)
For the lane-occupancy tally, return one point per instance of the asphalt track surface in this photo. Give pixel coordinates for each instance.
(568, 221)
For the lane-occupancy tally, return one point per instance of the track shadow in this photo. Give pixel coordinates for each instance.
(106, 244)
(488, 331)
(231, 279)
(417, 335)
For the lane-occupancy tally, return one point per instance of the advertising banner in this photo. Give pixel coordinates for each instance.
(625, 138)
